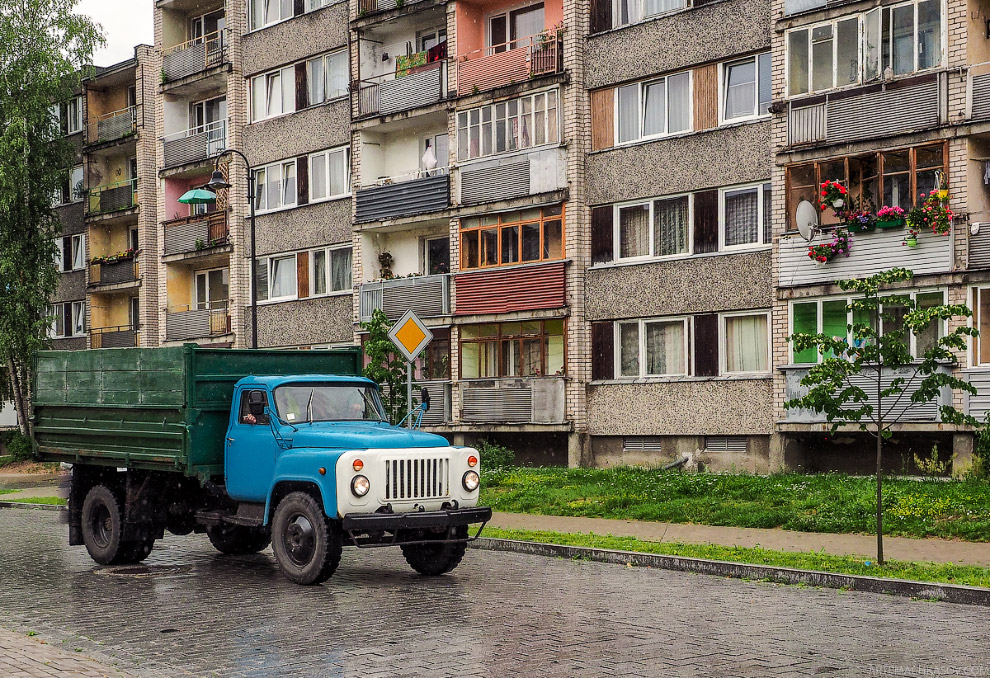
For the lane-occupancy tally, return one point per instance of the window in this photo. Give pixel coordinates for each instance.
(903, 38)
(653, 109)
(746, 88)
(68, 319)
(72, 189)
(833, 318)
(744, 216)
(273, 94)
(656, 228)
(508, 126)
(211, 289)
(282, 277)
(330, 270)
(746, 343)
(510, 30)
(648, 348)
(437, 255)
(329, 174)
(267, 12)
(327, 77)
(518, 237)
(275, 186)
(71, 253)
(896, 178)
(313, 5)
(523, 349)
(626, 12)
(430, 38)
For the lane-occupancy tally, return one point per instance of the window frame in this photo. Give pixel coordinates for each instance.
(493, 120)
(641, 324)
(617, 13)
(463, 233)
(73, 124)
(723, 68)
(261, 190)
(310, 161)
(268, 259)
(723, 347)
(762, 187)
(499, 338)
(285, 71)
(329, 253)
(58, 311)
(641, 112)
(616, 229)
(262, 25)
(324, 57)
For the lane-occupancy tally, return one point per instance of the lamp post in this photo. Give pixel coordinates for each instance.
(215, 183)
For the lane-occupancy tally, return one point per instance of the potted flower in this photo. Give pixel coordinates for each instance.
(911, 239)
(833, 195)
(890, 217)
(859, 221)
(825, 252)
(933, 213)
(385, 261)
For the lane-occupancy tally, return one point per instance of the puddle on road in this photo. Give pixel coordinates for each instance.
(145, 570)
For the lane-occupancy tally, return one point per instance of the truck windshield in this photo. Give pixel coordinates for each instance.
(325, 401)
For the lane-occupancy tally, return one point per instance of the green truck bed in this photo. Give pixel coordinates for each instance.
(155, 408)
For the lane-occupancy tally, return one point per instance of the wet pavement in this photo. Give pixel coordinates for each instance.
(188, 611)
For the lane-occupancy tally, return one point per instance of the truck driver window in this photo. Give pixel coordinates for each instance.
(245, 416)
(321, 401)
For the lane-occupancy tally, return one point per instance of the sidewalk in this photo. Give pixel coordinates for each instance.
(22, 656)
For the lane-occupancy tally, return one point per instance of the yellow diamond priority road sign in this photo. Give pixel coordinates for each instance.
(410, 335)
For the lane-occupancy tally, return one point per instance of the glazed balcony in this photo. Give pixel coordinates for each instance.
(506, 64)
(194, 56)
(117, 272)
(524, 400)
(112, 198)
(421, 86)
(211, 319)
(196, 144)
(427, 295)
(113, 126)
(196, 233)
(404, 195)
(121, 336)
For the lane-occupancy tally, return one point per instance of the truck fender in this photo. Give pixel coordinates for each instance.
(301, 472)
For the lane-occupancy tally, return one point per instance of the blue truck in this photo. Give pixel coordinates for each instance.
(252, 447)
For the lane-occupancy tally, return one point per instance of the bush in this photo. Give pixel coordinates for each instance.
(494, 455)
(981, 451)
(18, 446)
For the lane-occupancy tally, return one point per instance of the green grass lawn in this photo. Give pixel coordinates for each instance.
(942, 573)
(7, 491)
(56, 501)
(831, 502)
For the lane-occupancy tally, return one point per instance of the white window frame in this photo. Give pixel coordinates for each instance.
(326, 80)
(269, 262)
(58, 311)
(641, 330)
(617, 227)
(74, 124)
(265, 79)
(723, 349)
(723, 82)
(481, 122)
(314, 5)
(329, 271)
(617, 13)
(78, 244)
(77, 196)
(762, 187)
(261, 24)
(641, 111)
(325, 157)
(261, 189)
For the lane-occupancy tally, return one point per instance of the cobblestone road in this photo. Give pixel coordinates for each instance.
(191, 611)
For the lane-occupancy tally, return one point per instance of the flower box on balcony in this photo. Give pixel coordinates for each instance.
(890, 223)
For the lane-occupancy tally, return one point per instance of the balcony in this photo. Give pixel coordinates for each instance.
(112, 198)
(123, 270)
(506, 64)
(194, 56)
(196, 144)
(529, 400)
(186, 322)
(401, 196)
(902, 409)
(386, 94)
(515, 176)
(113, 126)
(366, 7)
(440, 401)
(121, 336)
(508, 289)
(195, 233)
(428, 296)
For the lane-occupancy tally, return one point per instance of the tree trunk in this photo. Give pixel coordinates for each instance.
(19, 398)
(879, 496)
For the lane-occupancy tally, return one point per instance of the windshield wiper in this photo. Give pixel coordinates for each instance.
(309, 406)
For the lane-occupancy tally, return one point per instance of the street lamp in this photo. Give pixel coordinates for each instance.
(208, 193)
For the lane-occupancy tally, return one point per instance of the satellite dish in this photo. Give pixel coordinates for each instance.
(806, 217)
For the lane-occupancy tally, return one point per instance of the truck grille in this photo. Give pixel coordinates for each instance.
(417, 478)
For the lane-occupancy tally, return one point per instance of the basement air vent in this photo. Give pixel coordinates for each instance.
(725, 443)
(641, 444)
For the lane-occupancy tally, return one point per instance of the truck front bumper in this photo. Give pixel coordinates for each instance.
(414, 527)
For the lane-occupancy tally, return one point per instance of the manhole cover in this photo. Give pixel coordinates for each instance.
(145, 570)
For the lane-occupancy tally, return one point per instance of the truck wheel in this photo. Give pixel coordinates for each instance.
(307, 544)
(436, 559)
(102, 526)
(235, 540)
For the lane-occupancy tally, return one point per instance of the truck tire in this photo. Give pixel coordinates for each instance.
(103, 526)
(306, 543)
(436, 559)
(235, 540)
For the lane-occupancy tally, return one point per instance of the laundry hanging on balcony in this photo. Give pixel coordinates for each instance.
(437, 52)
(404, 65)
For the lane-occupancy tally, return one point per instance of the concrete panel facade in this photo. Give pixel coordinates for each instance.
(305, 322)
(322, 223)
(288, 136)
(303, 36)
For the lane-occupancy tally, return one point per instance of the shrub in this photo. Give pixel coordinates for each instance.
(18, 446)
(981, 451)
(494, 455)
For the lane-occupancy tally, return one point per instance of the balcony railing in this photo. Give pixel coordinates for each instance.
(388, 94)
(194, 56)
(440, 401)
(112, 197)
(121, 336)
(211, 319)
(114, 272)
(503, 178)
(366, 7)
(428, 296)
(404, 195)
(525, 400)
(199, 232)
(195, 144)
(114, 125)
(506, 64)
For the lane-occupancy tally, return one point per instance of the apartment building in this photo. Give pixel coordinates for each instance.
(890, 100)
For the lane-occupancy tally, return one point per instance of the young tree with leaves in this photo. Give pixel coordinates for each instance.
(44, 47)
(385, 366)
(871, 378)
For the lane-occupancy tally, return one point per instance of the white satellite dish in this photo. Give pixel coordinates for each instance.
(806, 218)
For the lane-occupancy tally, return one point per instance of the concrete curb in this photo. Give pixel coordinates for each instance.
(25, 505)
(949, 593)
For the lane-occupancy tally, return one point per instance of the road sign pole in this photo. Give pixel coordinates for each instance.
(409, 370)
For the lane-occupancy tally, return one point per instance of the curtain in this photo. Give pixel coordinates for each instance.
(317, 81)
(767, 221)
(283, 279)
(629, 349)
(679, 103)
(670, 226)
(634, 231)
(336, 69)
(627, 117)
(338, 172)
(651, 7)
(653, 108)
(742, 216)
(665, 348)
(340, 269)
(746, 343)
(319, 275)
(318, 188)
(740, 89)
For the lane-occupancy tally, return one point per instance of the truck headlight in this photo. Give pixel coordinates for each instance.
(360, 486)
(470, 480)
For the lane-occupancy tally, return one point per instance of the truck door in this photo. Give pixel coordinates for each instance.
(250, 451)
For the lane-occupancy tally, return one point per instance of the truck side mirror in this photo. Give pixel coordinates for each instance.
(424, 399)
(256, 402)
